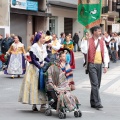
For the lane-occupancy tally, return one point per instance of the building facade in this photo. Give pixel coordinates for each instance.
(64, 17)
(27, 22)
(109, 15)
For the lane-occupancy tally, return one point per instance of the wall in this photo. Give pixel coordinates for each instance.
(67, 1)
(67, 13)
(41, 24)
(18, 26)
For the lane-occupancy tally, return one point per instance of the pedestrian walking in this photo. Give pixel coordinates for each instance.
(1, 39)
(97, 53)
(62, 38)
(6, 43)
(84, 46)
(16, 62)
(113, 49)
(30, 93)
(76, 42)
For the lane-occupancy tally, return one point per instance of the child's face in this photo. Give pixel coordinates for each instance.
(63, 57)
(67, 39)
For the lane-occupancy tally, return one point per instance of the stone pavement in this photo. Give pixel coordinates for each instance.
(110, 96)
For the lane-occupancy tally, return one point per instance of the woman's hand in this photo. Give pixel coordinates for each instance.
(42, 65)
(7, 53)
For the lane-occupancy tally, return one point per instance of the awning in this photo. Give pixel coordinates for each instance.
(26, 12)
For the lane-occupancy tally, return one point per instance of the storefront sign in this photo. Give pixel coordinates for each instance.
(89, 12)
(24, 4)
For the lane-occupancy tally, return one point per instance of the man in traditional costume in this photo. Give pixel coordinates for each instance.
(97, 54)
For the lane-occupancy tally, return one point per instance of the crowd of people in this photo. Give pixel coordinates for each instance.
(55, 56)
(45, 50)
(112, 42)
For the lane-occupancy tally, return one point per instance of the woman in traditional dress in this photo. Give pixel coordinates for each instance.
(30, 92)
(16, 64)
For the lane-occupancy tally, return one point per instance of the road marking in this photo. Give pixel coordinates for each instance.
(88, 111)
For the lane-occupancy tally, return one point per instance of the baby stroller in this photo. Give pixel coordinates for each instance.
(59, 95)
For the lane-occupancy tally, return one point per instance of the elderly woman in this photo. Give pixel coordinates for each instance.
(31, 92)
(16, 64)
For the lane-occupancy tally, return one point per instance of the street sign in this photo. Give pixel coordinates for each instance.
(89, 12)
(25, 4)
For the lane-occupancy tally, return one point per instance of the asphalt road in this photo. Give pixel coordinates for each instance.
(11, 109)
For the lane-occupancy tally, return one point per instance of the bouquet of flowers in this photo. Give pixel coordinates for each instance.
(3, 58)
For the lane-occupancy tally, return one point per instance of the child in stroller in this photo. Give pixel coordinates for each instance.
(58, 86)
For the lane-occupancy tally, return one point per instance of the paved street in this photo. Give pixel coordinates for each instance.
(110, 96)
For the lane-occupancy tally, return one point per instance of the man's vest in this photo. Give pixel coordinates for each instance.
(92, 50)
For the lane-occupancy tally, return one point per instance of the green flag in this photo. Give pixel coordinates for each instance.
(89, 12)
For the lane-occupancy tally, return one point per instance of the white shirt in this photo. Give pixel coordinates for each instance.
(84, 46)
(107, 39)
(57, 47)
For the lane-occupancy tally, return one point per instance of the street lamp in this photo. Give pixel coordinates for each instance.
(118, 8)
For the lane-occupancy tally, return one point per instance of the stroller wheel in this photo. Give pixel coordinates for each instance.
(64, 115)
(48, 112)
(79, 113)
(76, 114)
(61, 115)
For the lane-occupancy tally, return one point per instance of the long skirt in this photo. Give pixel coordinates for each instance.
(29, 92)
(16, 65)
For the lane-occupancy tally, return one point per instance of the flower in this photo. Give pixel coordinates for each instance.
(2, 58)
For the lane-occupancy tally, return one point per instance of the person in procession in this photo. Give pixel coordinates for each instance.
(97, 54)
(84, 45)
(31, 92)
(68, 43)
(16, 62)
(55, 46)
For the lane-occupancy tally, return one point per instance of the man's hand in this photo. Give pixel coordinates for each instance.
(105, 69)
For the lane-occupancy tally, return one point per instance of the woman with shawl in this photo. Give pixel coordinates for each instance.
(31, 92)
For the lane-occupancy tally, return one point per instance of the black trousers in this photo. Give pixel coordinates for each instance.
(95, 72)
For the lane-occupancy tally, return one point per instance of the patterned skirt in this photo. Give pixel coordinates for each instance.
(16, 65)
(29, 93)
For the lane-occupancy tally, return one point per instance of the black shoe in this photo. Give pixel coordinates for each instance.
(97, 107)
(93, 106)
(34, 109)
